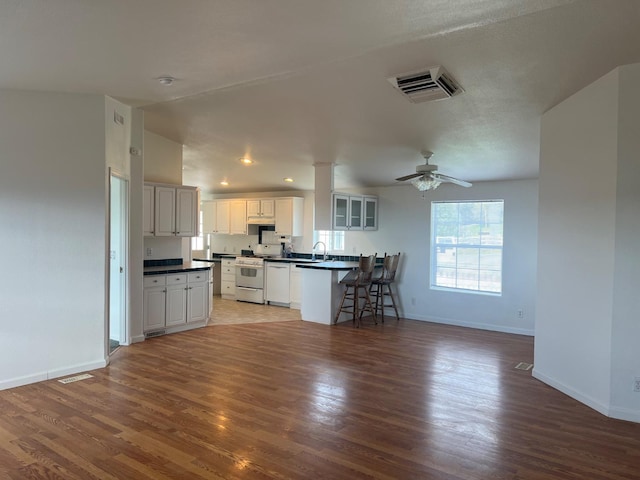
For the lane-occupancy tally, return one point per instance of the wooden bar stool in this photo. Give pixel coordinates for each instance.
(381, 286)
(357, 283)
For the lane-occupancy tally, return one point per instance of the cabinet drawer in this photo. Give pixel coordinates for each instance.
(226, 277)
(198, 277)
(228, 262)
(176, 279)
(228, 288)
(154, 281)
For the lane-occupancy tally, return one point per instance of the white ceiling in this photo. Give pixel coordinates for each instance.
(293, 82)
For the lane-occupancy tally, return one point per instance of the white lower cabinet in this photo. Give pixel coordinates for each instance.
(197, 297)
(277, 283)
(175, 300)
(228, 279)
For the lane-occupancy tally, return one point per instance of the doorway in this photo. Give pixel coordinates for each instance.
(118, 261)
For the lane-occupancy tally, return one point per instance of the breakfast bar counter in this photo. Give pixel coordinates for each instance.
(321, 291)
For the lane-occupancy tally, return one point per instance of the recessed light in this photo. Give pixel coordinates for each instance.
(246, 161)
(224, 183)
(288, 179)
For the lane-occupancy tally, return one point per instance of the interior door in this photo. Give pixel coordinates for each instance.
(118, 258)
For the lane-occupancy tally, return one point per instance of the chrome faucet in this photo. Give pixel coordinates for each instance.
(324, 255)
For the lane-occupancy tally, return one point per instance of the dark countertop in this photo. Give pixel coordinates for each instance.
(184, 267)
(208, 260)
(331, 265)
(291, 260)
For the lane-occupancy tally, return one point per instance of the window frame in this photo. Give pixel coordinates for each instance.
(333, 242)
(436, 247)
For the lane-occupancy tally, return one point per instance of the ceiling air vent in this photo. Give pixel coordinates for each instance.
(425, 85)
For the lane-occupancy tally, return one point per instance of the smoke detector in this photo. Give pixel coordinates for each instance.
(166, 80)
(433, 83)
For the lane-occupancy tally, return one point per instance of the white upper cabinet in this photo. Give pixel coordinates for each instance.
(355, 212)
(289, 216)
(174, 211)
(370, 212)
(187, 202)
(238, 217)
(215, 216)
(260, 210)
(165, 207)
(148, 202)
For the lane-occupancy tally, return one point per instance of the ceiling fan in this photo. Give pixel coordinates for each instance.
(428, 178)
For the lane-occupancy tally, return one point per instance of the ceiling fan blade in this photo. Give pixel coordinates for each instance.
(408, 177)
(446, 178)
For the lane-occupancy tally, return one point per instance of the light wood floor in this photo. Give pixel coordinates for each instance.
(296, 400)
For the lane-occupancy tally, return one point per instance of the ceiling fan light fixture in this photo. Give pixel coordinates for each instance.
(425, 183)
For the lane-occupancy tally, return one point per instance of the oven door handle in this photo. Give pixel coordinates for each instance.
(250, 266)
(249, 289)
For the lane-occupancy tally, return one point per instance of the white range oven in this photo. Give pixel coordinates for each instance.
(250, 279)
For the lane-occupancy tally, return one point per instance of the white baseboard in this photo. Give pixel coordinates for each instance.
(59, 372)
(573, 393)
(481, 326)
(137, 338)
(605, 409)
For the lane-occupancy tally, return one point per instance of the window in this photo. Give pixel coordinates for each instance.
(466, 245)
(334, 240)
(197, 243)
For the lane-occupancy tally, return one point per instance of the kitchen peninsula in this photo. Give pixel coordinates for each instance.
(321, 291)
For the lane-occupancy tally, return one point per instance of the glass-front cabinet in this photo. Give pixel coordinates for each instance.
(354, 212)
(370, 209)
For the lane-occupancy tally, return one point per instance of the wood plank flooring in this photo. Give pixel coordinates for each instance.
(296, 400)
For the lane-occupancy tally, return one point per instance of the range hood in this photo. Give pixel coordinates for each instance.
(261, 221)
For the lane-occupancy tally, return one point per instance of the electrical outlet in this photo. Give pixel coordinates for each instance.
(149, 251)
(224, 249)
(413, 301)
(520, 313)
(636, 384)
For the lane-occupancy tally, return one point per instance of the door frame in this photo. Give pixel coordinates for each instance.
(125, 327)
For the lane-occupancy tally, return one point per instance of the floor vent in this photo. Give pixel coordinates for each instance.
(524, 366)
(425, 85)
(77, 378)
(157, 333)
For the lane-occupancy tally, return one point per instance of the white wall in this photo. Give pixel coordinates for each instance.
(162, 159)
(587, 329)
(53, 213)
(625, 356)
(136, 239)
(404, 226)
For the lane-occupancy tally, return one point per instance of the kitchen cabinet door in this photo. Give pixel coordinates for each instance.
(260, 209)
(176, 305)
(238, 217)
(197, 294)
(154, 308)
(187, 212)
(148, 215)
(289, 216)
(165, 211)
(370, 212)
(341, 212)
(355, 213)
